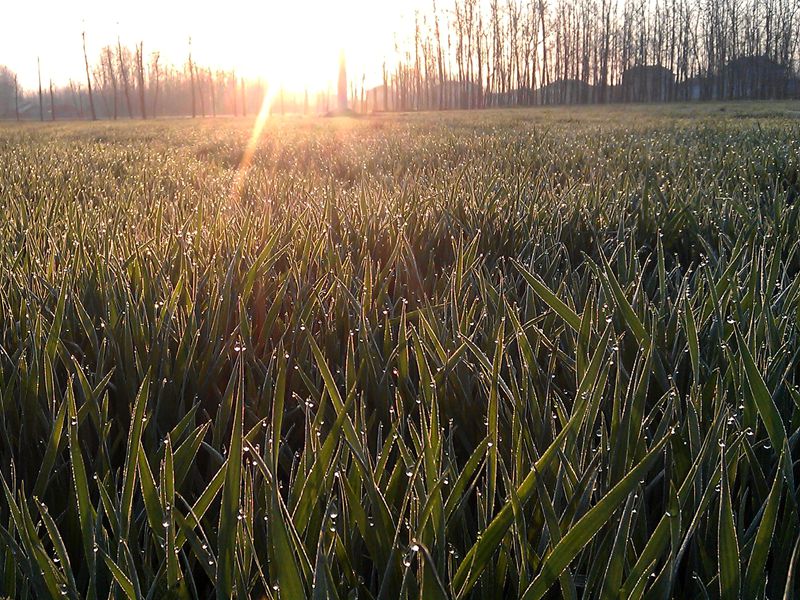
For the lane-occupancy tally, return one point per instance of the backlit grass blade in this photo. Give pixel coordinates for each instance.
(476, 560)
(692, 340)
(53, 444)
(762, 398)
(290, 580)
(728, 543)
(586, 528)
(122, 580)
(132, 454)
(754, 580)
(80, 482)
(553, 301)
(229, 508)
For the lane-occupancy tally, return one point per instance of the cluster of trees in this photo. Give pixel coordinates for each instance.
(9, 92)
(480, 53)
(129, 85)
(125, 82)
(476, 54)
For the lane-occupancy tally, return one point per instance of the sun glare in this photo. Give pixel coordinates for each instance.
(293, 47)
(296, 46)
(289, 45)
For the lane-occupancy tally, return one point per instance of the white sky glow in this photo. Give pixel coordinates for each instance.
(294, 44)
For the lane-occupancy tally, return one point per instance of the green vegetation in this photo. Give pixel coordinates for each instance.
(532, 353)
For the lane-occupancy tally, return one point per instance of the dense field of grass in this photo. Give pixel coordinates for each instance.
(530, 353)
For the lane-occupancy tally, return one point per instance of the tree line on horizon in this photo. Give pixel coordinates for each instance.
(475, 54)
(485, 53)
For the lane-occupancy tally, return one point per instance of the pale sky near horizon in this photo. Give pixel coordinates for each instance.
(290, 43)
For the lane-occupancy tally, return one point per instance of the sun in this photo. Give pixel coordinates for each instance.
(290, 45)
(296, 46)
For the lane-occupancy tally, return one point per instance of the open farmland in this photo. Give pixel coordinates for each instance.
(528, 353)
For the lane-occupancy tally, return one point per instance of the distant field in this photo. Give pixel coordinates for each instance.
(523, 353)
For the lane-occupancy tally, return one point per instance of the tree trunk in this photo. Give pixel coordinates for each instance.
(52, 103)
(213, 96)
(140, 65)
(41, 105)
(88, 78)
(124, 72)
(157, 75)
(113, 77)
(191, 76)
(16, 98)
(235, 94)
(200, 93)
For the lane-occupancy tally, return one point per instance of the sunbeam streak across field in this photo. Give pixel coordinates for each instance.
(252, 145)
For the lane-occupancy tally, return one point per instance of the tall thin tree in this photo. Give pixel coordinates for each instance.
(16, 97)
(112, 77)
(123, 71)
(235, 93)
(155, 76)
(342, 87)
(88, 77)
(191, 77)
(41, 103)
(140, 71)
(52, 103)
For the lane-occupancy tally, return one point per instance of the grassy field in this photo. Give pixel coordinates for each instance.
(529, 353)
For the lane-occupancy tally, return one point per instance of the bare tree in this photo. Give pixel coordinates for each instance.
(235, 103)
(342, 86)
(122, 58)
(52, 103)
(16, 98)
(484, 53)
(41, 103)
(140, 72)
(155, 76)
(199, 78)
(213, 95)
(112, 77)
(191, 76)
(88, 77)
(75, 92)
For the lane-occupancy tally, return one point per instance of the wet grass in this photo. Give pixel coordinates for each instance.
(530, 353)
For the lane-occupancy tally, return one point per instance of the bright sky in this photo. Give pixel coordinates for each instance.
(294, 43)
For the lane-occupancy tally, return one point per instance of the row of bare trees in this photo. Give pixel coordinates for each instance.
(476, 54)
(130, 84)
(125, 82)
